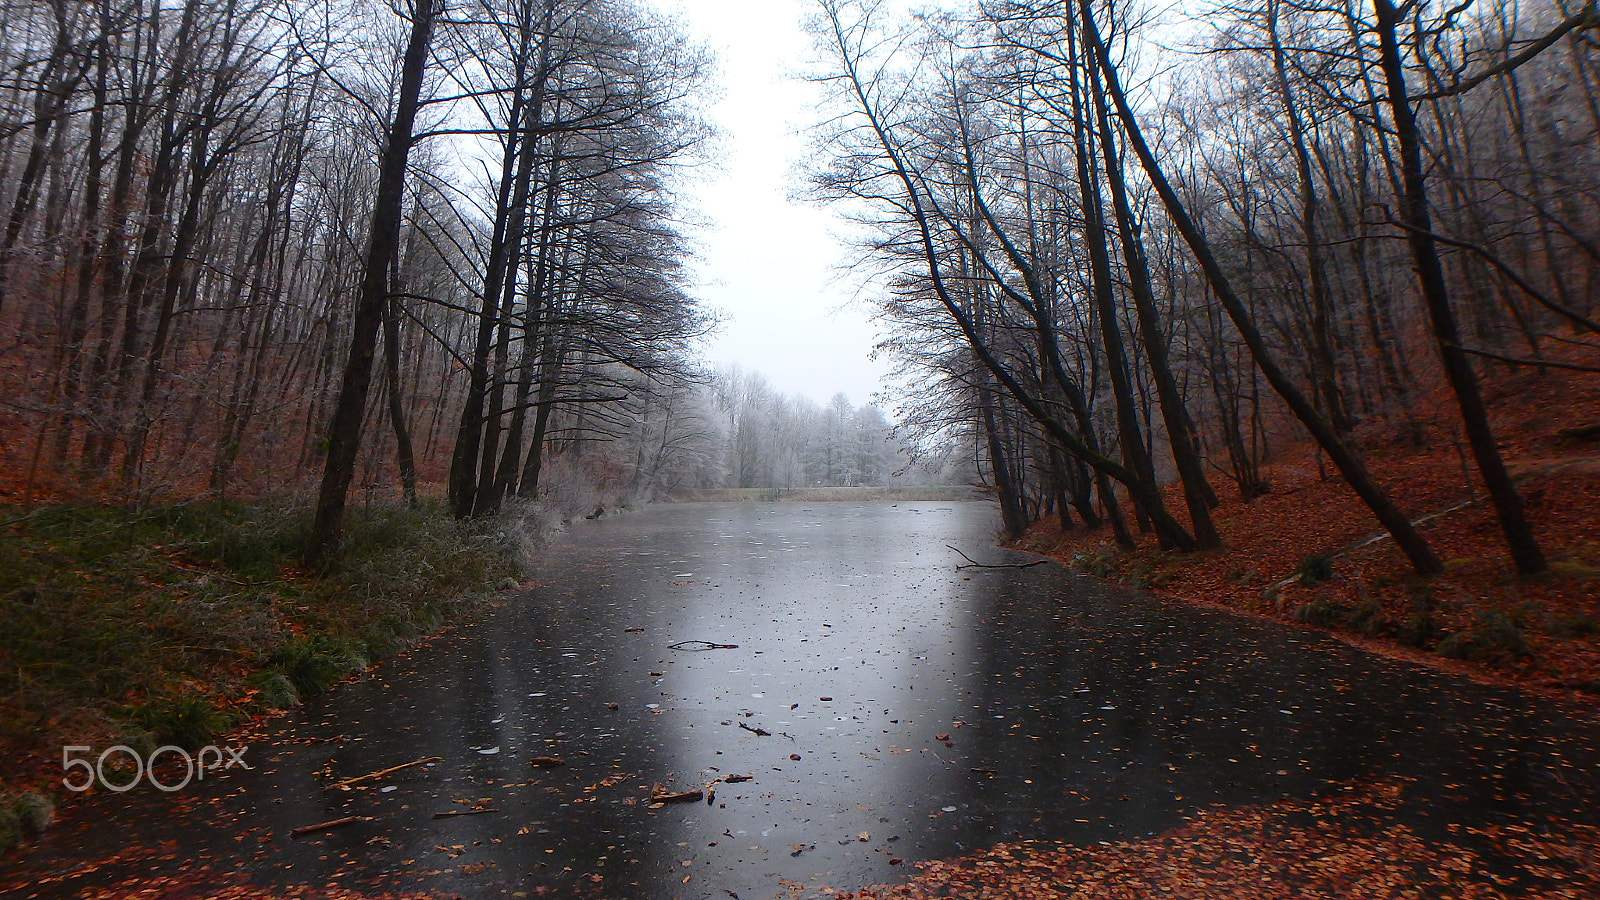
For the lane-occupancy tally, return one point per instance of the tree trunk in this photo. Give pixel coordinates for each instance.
(404, 455)
(1197, 492)
(1013, 515)
(344, 432)
(1129, 436)
(1525, 550)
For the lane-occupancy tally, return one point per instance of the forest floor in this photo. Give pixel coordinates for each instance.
(1310, 552)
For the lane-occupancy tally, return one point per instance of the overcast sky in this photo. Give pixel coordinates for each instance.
(767, 263)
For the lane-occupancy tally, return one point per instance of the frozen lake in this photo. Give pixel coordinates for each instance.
(884, 707)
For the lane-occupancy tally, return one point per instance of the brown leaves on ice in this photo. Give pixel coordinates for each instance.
(1341, 845)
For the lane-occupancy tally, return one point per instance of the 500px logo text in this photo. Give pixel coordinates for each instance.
(207, 759)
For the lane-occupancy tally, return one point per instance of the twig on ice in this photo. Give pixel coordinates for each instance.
(326, 826)
(979, 565)
(345, 784)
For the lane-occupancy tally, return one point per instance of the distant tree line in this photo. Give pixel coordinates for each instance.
(1120, 267)
(769, 439)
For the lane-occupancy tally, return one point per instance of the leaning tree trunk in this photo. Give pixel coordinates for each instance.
(1414, 216)
(1129, 435)
(1197, 492)
(344, 432)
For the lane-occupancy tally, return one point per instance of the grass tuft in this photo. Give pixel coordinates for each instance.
(273, 690)
(1100, 561)
(1315, 568)
(1492, 636)
(187, 722)
(23, 816)
(1321, 612)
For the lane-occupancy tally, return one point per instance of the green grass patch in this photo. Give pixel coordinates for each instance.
(170, 625)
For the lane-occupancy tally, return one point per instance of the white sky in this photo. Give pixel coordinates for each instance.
(766, 262)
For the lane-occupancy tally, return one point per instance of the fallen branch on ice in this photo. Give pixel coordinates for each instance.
(345, 784)
(978, 565)
(328, 826)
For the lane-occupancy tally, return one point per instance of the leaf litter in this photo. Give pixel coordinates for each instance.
(1344, 843)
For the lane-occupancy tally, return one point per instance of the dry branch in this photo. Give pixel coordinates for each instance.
(978, 565)
(327, 826)
(345, 784)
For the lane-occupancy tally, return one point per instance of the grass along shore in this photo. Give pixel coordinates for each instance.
(173, 625)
